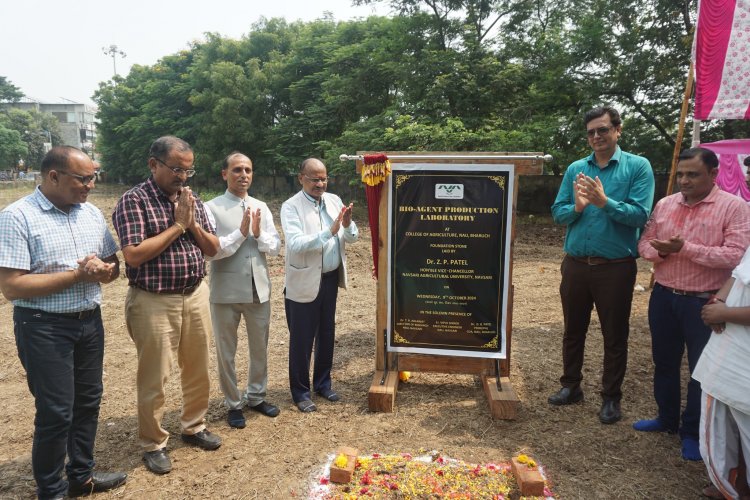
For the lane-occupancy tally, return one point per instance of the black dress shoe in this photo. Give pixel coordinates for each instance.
(236, 419)
(157, 461)
(330, 395)
(566, 396)
(203, 439)
(266, 409)
(610, 412)
(306, 406)
(100, 481)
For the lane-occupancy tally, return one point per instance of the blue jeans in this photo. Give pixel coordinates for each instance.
(63, 362)
(675, 322)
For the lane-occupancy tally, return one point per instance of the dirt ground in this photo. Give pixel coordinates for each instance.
(278, 458)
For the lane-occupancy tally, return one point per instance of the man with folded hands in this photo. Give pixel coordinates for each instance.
(694, 238)
(604, 200)
(241, 287)
(55, 251)
(165, 232)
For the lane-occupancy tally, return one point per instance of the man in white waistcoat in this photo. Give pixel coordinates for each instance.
(317, 226)
(240, 286)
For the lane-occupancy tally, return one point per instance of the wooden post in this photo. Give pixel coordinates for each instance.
(678, 140)
(681, 128)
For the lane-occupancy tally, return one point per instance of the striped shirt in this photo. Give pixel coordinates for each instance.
(716, 231)
(38, 237)
(144, 212)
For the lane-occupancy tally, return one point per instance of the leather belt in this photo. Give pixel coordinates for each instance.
(598, 261)
(185, 291)
(701, 295)
(80, 315)
(329, 274)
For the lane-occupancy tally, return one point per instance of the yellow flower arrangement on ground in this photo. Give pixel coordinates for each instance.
(429, 476)
(341, 461)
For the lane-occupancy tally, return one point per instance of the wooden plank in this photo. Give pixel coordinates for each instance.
(530, 480)
(444, 364)
(382, 398)
(532, 166)
(381, 313)
(503, 404)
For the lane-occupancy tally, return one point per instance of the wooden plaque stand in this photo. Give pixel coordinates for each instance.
(500, 395)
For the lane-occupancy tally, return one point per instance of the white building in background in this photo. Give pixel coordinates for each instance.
(77, 120)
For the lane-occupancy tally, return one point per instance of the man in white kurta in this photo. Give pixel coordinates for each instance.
(317, 227)
(724, 373)
(240, 286)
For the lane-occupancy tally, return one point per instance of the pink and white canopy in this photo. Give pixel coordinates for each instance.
(732, 154)
(721, 53)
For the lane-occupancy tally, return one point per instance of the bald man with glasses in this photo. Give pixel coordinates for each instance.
(317, 226)
(164, 233)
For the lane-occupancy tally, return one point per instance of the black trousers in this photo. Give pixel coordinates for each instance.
(63, 361)
(312, 323)
(609, 287)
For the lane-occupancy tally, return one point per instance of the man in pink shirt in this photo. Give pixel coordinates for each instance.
(694, 238)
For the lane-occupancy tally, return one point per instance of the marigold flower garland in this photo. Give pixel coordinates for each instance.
(427, 476)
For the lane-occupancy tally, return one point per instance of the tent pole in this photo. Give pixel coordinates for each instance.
(680, 133)
(681, 128)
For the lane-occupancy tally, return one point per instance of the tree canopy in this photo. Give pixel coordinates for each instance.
(8, 91)
(493, 75)
(23, 133)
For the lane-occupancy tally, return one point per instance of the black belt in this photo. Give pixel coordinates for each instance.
(597, 261)
(701, 295)
(329, 274)
(184, 291)
(81, 315)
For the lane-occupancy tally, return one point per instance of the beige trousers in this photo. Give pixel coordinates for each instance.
(165, 327)
(226, 320)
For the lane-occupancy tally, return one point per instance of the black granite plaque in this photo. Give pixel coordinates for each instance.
(448, 254)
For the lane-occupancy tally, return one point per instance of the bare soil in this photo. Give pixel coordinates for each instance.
(278, 458)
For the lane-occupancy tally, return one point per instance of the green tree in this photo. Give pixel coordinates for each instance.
(133, 111)
(8, 91)
(33, 128)
(12, 148)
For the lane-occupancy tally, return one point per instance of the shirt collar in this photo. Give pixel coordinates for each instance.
(45, 204)
(615, 160)
(234, 197)
(313, 200)
(710, 197)
(155, 189)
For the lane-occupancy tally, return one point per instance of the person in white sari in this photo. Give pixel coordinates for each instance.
(724, 373)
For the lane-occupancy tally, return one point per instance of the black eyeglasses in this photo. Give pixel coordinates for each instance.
(600, 131)
(188, 172)
(322, 180)
(83, 179)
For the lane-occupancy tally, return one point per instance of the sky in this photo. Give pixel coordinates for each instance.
(53, 49)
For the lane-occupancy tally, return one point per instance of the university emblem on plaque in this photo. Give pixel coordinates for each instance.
(449, 191)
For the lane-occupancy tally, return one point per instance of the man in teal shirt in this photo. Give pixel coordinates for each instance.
(604, 200)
